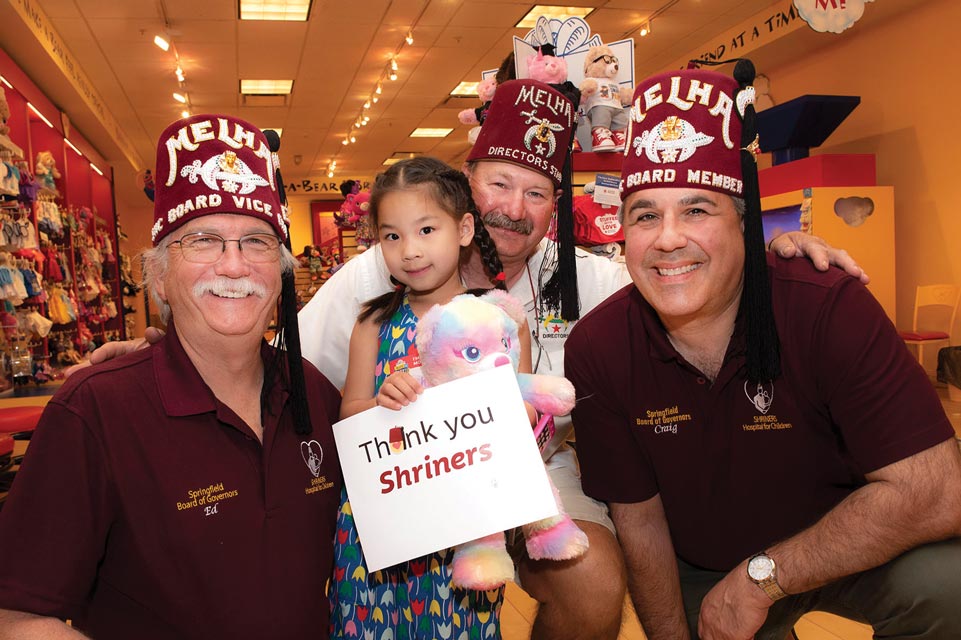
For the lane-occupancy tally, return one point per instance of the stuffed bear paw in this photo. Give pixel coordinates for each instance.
(482, 564)
(556, 538)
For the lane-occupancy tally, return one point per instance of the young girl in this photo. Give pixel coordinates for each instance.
(425, 220)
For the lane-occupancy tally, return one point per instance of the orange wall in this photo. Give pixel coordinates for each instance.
(904, 70)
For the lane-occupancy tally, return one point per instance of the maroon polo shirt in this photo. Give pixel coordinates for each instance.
(148, 509)
(737, 466)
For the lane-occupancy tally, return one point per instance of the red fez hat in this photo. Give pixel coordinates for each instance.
(215, 164)
(529, 124)
(698, 129)
(685, 131)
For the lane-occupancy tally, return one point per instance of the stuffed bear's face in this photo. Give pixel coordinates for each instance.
(601, 63)
(465, 336)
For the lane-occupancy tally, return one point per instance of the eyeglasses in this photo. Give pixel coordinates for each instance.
(606, 59)
(207, 248)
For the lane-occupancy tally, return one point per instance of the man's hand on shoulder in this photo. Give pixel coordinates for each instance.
(734, 609)
(111, 350)
(795, 243)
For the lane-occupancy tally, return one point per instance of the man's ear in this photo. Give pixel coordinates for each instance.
(557, 195)
(466, 229)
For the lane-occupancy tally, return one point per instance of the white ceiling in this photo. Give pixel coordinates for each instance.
(335, 59)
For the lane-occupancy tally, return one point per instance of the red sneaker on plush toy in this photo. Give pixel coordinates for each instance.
(605, 99)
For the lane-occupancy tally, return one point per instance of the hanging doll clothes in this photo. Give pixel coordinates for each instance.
(60, 308)
(414, 599)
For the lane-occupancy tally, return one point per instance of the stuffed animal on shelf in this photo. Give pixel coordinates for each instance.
(550, 69)
(604, 100)
(356, 214)
(490, 324)
(46, 170)
(316, 264)
(4, 113)
(485, 91)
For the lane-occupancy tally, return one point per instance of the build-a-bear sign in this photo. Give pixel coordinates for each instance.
(833, 16)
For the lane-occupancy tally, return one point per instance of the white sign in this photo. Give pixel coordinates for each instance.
(607, 190)
(458, 464)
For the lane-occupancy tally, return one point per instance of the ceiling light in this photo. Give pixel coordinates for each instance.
(390, 161)
(182, 99)
(378, 90)
(425, 132)
(367, 104)
(94, 167)
(392, 76)
(161, 42)
(352, 138)
(180, 74)
(266, 87)
(374, 99)
(4, 81)
(345, 142)
(39, 115)
(551, 12)
(410, 37)
(393, 64)
(646, 28)
(184, 114)
(289, 10)
(330, 174)
(465, 90)
(70, 144)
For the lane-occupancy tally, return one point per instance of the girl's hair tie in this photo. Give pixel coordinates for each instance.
(500, 277)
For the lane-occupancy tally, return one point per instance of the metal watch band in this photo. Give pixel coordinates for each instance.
(772, 588)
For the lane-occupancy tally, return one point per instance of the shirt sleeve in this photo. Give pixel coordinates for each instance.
(879, 396)
(328, 319)
(614, 465)
(55, 523)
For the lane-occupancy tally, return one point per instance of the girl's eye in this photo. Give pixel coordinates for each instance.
(472, 354)
(507, 343)
(390, 236)
(427, 230)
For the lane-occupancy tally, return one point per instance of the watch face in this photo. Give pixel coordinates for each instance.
(760, 567)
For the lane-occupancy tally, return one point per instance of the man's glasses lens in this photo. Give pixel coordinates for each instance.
(208, 247)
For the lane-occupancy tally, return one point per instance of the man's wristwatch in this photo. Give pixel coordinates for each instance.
(763, 572)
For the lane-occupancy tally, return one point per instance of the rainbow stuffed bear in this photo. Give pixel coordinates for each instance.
(483, 331)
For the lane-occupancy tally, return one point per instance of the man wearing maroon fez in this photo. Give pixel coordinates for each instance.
(187, 490)
(519, 172)
(765, 442)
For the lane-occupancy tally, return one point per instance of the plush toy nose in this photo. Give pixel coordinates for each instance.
(501, 361)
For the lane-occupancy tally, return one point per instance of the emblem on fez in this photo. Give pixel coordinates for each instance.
(226, 171)
(542, 130)
(673, 140)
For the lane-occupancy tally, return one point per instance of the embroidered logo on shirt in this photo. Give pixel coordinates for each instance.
(313, 455)
(761, 397)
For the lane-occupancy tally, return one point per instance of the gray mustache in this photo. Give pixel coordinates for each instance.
(496, 220)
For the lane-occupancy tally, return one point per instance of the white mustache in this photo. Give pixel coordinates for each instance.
(225, 287)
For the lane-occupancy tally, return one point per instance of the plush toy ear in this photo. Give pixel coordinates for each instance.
(508, 303)
(426, 326)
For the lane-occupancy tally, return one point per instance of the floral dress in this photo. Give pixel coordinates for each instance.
(414, 599)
